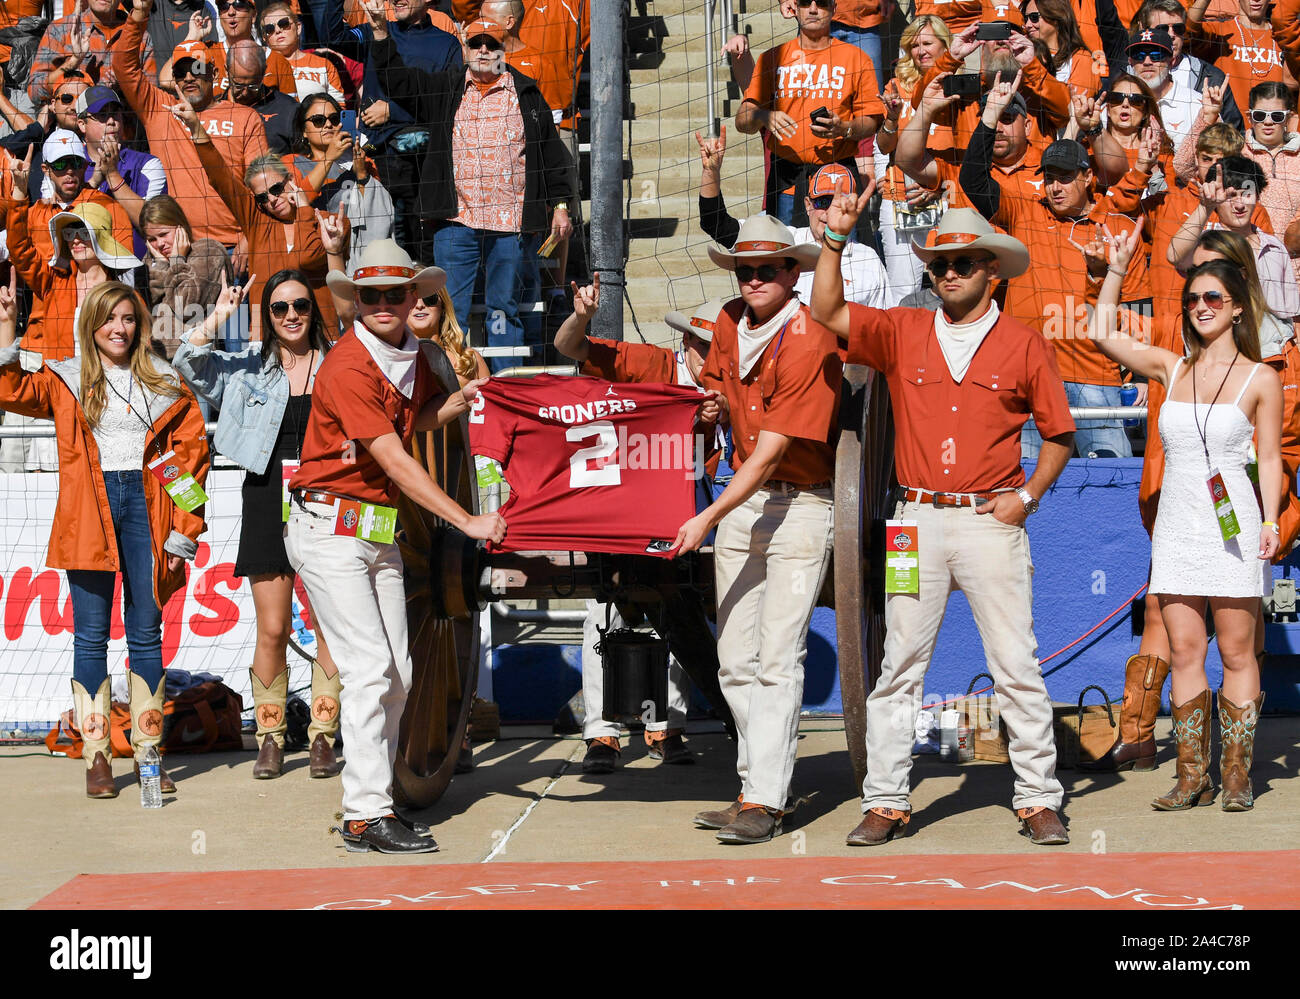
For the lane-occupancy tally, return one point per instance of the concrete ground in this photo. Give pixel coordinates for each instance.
(529, 801)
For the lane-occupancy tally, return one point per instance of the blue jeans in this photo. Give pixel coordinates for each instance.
(464, 253)
(92, 593)
(868, 40)
(1092, 438)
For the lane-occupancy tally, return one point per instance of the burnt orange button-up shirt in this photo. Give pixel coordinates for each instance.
(793, 389)
(960, 437)
(619, 361)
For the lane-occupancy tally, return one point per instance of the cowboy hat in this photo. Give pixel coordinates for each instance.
(764, 236)
(700, 322)
(99, 223)
(384, 264)
(965, 229)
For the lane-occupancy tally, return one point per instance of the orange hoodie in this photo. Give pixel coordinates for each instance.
(83, 536)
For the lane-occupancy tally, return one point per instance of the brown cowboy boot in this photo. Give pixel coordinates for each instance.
(1237, 733)
(1192, 733)
(147, 725)
(92, 714)
(1144, 678)
(324, 724)
(268, 711)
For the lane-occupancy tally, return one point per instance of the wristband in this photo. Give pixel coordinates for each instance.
(832, 246)
(887, 130)
(829, 233)
(1269, 523)
(120, 184)
(1111, 270)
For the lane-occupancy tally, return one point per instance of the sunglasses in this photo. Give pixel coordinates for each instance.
(767, 272)
(241, 5)
(823, 4)
(66, 98)
(1137, 56)
(274, 191)
(431, 302)
(1133, 99)
(198, 69)
(246, 88)
(271, 27)
(822, 201)
(1176, 29)
(1034, 18)
(76, 233)
(301, 307)
(1213, 300)
(1276, 117)
(483, 42)
(105, 116)
(392, 296)
(67, 163)
(961, 266)
(321, 120)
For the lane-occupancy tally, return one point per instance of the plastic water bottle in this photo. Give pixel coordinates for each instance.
(1128, 394)
(151, 779)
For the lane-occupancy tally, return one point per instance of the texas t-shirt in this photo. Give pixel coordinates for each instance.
(592, 465)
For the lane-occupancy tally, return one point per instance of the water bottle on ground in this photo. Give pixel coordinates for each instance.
(151, 779)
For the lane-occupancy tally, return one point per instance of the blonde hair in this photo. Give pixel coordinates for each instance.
(905, 70)
(452, 338)
(95, 312)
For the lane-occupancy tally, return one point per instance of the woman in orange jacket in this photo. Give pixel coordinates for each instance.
(133, 456)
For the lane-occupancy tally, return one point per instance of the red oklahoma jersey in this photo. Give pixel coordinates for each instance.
(592, 465)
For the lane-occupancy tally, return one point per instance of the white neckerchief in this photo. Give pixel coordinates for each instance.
(753, 341)
(959, 342)
(684, 376)
(396, 363)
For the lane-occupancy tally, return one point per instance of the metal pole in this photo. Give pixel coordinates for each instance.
(710, 84)
(607, 100)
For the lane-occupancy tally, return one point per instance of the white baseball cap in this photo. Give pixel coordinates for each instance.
(63, 143)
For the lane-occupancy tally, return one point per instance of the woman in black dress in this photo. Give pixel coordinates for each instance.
(264, 393)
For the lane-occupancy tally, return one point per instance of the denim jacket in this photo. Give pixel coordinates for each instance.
(252, 397)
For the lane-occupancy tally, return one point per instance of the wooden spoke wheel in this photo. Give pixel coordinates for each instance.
(444, 641)
(864, 479)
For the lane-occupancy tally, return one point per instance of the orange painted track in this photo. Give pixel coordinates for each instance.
(1134, 881)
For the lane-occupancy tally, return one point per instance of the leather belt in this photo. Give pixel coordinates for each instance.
(783, 486)
(309, 496)
(906, 495)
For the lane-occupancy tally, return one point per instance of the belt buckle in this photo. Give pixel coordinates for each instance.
(934, 501)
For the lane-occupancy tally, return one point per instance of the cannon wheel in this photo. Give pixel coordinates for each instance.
(444, 641)
(864, 472)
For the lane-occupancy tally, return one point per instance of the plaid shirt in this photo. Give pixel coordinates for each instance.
(98, 64)
(487, 147)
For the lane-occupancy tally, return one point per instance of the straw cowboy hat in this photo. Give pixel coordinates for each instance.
(96, 219)
(964, 229)
(700, 322)
(384, 264)
(764, 236)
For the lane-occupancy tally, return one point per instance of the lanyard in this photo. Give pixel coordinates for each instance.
(130, 412)
(1202, 431)
(297, 424)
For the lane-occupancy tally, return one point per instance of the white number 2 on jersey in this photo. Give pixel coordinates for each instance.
(476, 408)
(579, 474)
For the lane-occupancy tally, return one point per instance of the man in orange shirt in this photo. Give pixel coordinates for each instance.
(1057, 297)
(963, 378)
(1243, 48)
(812, 73)
(780, 373)
(237, 132)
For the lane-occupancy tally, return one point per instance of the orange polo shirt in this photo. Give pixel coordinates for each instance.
(840, 78)
(620, 361)
(555, 83)
(960, 437)
(1249, 56)
(1053, 295)
(793, 389)
(352, 402)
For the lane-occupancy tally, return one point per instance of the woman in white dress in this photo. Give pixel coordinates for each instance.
(1218, 397)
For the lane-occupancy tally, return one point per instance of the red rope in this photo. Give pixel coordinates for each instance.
(1118, 610)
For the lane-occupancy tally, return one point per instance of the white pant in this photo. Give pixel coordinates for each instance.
(770, 559)
(358, 600)
(990, 563)
(593, 680)
(28, 454)
(902, 265)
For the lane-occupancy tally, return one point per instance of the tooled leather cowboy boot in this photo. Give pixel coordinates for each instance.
(1192, 733)
(92, 715)
(1144, 678)
(147, 725)
(272, 721)
(324, 724)
(1237, 733)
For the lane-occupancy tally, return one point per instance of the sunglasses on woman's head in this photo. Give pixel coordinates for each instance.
(274, 191)
(301, 307)
(1276, 117)
(1134, 100)
(270, 27)
(1213, 299)
(393, 296)
(961, 266)
(321, 120)
(767, 272)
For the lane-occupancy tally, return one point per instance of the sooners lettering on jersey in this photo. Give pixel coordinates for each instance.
(592, 465)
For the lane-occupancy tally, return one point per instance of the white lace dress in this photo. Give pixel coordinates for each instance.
(1188, 554)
